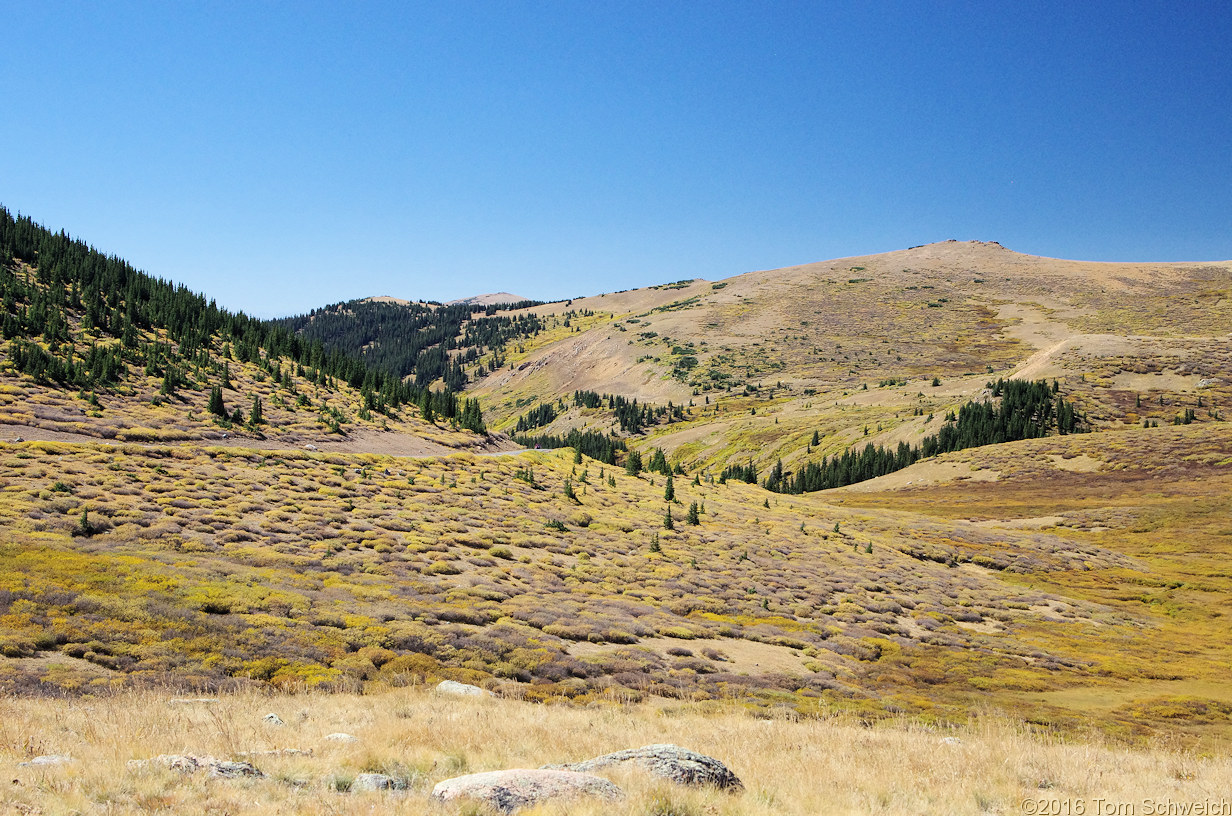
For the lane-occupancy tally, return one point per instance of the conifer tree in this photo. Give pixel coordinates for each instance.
(216, 406)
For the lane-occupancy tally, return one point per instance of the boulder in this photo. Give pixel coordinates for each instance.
(511, 789)
(375, 782)
(47, 759)
(671, 762)
(463, 689)
(341, 737)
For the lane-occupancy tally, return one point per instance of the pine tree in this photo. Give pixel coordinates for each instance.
(668, 523)
(255, 415)
(216, 406)
(693, 517)
(669, 490)
(633, 464)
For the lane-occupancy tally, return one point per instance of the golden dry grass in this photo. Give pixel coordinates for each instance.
(788, 766)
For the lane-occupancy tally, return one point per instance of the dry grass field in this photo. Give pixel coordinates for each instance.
(789, 765)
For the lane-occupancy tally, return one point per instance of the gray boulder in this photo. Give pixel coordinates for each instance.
(375, 782)
(339, 736)
(509, 790)
(462, 689)
(671, 762)
(46, 759)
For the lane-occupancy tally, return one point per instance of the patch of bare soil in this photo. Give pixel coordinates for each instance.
(1075, 464)
(43, 662)
(385, 443)
(597, 361)
(923, 474)
(1037, 523)
(739, 656)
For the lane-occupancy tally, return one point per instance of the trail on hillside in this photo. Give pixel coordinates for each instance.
(374, 442)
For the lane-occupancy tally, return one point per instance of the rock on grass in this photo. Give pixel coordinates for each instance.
(511, 789)
(671, 762)
(461, 689)
(188, 763)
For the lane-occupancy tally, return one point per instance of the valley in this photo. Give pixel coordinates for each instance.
(222, 507)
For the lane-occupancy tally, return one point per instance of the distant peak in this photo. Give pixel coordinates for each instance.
(386, 299)
(488, 300)
(952, 241)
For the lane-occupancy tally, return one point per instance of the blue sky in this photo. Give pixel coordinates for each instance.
(282, 156)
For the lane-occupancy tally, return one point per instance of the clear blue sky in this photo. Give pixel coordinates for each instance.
(281, 156)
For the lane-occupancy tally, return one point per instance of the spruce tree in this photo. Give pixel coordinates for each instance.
(255, 415)
(668, 523)
(669, 490)
(693, 517)
(216, 406)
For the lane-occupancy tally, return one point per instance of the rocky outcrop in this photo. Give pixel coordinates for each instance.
(671, 762)
(188, 763)
(511, 789)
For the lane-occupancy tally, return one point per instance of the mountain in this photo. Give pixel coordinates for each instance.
(1052, 545)
(97, 349)
(878, 349)
(425, 342)
(493, 299)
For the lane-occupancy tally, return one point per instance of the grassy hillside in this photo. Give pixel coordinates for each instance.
(218, 566)
(95, 348)
(879, 348)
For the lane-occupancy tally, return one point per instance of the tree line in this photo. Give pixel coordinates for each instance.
(1025, 410)
(424, 341)
(49, 279)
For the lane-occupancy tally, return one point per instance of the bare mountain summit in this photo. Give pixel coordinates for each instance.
(494, 298)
